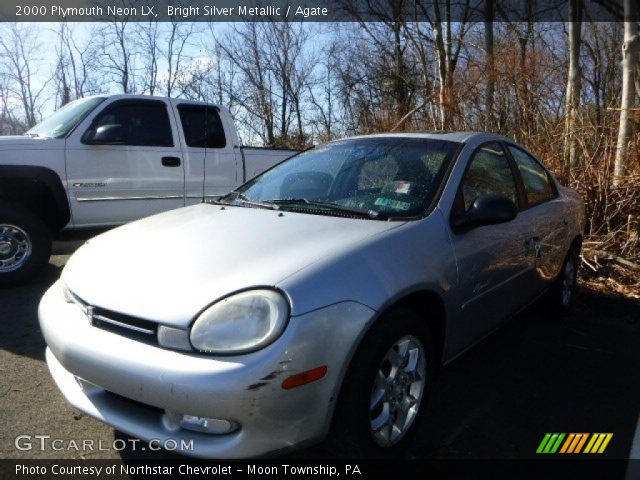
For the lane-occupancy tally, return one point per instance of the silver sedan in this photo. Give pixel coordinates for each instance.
(319, 298)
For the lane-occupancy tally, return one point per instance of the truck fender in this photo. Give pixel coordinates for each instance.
(38, 189)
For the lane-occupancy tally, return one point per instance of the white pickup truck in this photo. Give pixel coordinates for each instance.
(106, 160)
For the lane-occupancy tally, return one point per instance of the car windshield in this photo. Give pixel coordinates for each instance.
(64, 120)
(379, 178)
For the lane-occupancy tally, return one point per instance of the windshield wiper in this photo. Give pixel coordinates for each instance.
(331, 206)
(243, 198)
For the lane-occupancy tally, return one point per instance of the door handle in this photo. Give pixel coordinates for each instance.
(535, 244)
(171, 161)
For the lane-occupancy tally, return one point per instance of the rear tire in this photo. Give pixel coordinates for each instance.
(562, 294)
(25, 245)
(384, 394)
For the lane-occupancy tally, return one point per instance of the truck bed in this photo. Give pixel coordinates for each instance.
(258, 159)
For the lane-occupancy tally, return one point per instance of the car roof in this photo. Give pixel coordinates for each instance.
(459, 137)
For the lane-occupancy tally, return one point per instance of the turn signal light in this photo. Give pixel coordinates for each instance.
(303, 378)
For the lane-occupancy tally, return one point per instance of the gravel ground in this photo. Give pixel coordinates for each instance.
(537, 374)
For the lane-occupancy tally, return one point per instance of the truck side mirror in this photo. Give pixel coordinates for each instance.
(485, 210)
(105, 135)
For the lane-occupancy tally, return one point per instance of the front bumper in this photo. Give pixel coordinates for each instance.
(243, 388)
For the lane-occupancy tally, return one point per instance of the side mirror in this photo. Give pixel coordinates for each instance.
(105, 135)
(486, 210)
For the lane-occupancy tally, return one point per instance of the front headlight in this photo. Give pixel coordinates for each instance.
(241, 323)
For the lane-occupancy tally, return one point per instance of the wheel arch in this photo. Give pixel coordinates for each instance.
(427, 303)
(431, 308)
(37, 189)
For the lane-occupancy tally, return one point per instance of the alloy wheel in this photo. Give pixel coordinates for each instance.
(397, 391)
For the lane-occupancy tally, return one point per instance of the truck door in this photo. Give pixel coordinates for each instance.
(124, 163)
(212, 169)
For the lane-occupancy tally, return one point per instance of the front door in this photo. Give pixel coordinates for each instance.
(136, 172)
(495, 262)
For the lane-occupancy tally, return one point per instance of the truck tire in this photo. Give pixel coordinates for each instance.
(383, 398)
(25, 244)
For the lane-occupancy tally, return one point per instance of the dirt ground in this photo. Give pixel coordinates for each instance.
(539, 373)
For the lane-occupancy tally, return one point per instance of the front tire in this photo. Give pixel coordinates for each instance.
(25, 245)
(384, 394)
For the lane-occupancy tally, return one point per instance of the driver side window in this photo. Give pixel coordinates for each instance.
(142, 122)
(489, 173)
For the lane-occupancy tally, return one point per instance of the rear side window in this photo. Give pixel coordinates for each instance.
(489, 174)
(145, 122)
(534, 177)
(202, 126)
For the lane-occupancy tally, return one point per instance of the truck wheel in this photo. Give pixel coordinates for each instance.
(561, 295)
(25, 245)
(384, 393)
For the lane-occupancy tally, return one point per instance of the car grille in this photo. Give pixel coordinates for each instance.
(118, 323)
(125, 325)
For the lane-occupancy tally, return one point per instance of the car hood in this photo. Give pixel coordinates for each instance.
(169, 267)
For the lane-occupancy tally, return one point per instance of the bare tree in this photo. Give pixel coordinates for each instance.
(629, 62)
(20, 51)
(147, 40)
(448, 45)
(63, 87)
(116, 50)
(572, 102)
(489, 17)
(244, 47)
(177, 39)
(323, 100)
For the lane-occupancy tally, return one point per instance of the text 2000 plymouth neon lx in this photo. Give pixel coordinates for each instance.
(323, 293)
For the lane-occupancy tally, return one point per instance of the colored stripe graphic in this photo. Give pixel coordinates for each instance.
(550, 443)
(567, 443)
(606, 442)
(574, 443)
(555, 447)
(543, 442)
(591, 442)
(598, 442)
(581, 442)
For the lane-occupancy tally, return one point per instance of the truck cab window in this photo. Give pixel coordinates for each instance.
(202, 126)
(144, 123)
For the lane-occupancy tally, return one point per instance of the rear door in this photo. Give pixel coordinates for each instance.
(547, 220)
(140, 174)
(494, 262)
(212, 168)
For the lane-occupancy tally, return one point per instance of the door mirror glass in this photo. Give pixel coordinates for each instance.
(105, 135)
(485, 210)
